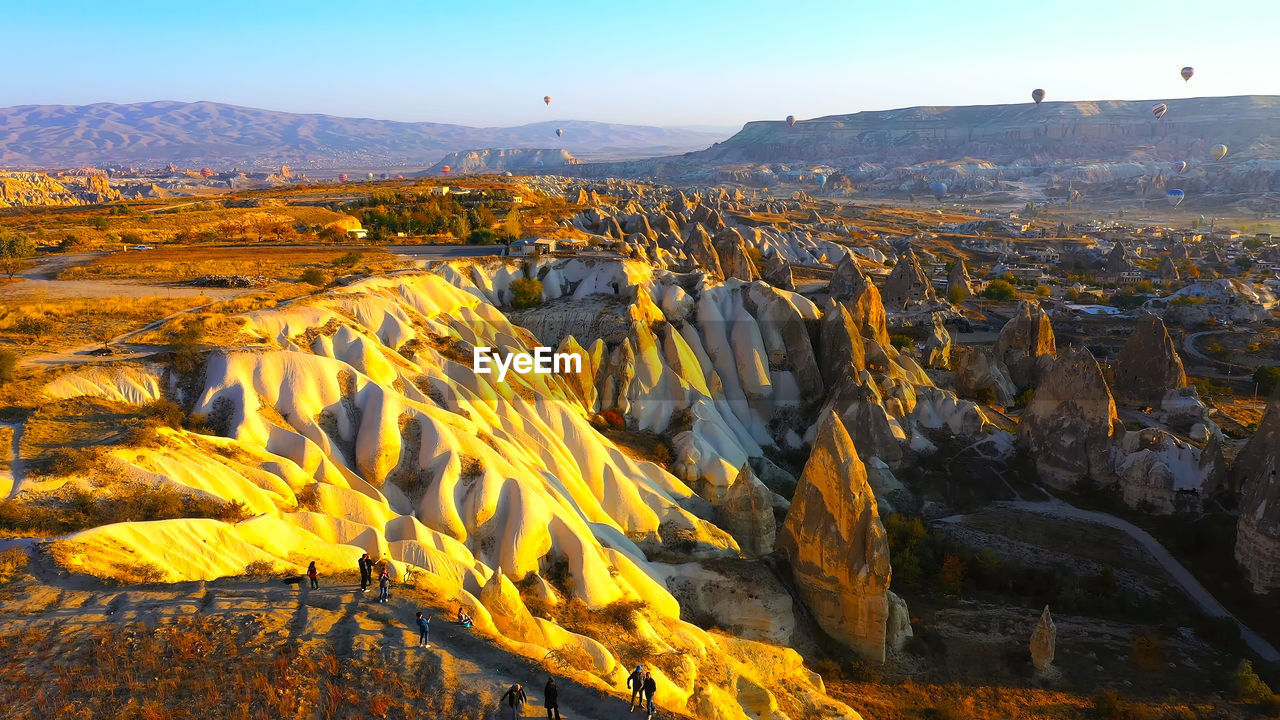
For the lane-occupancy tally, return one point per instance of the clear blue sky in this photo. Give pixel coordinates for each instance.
(659, 62)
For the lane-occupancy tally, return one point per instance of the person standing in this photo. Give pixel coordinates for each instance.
(424, 630)
(366, 572)
(551, 698)
(650, 689)
(635, 681)
(515, 699)
(311, 573)
(384, 585)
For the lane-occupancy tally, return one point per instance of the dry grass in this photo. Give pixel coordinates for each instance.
(911, 701)
(177, 263)
(13, 564)
(81, 508)
(6, 447)
(43, 325)
(198, 667)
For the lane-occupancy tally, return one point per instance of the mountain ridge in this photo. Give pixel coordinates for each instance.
(225, 135)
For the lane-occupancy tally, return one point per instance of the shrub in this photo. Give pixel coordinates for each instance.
(1043, 291)
(986, 395)
(1271, 706)
(1148, 651)
(956, 295)
(951, 581)
(13, 562)
(613, 419)
(999, 290)
(1025, 397)
(1267, 377)
(902, 342)
(526, 293)
(1248, 685)
(348, 260)
(314, 276)
(8, 366)
(483, 236)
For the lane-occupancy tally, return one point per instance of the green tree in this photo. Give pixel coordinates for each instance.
(999, 290)
(526, 293)
(1248, 685)
(1267, 377)
(511, 225)
(15, 248)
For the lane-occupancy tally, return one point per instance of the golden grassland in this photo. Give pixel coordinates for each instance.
(177, 263)
(38, 325)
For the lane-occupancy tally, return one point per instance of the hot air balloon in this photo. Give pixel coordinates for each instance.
(1175, 197)
(1074, 196)
(559, 132)
(1159, 110)
(1219, 152)
(1037, 95)
(791, 121)
(206, 173)
(1187, 72)
(939, 190)
(343, 177)
(1180, 166)
(546, 99)
(445, 169)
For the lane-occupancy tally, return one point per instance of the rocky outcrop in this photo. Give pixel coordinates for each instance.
(744, 598)
(1159, 472)
(496, 160)
(842, 352)
(34, 189)
(838, 549)
(959, 286)
(898, 630)
(746, 513)
(908, 283)
(1167, 271)
(937, 346)
(875, 434)
(1257, 470)
(980, 376)
(1043, 639)
(732, 250)
(1026, 342)
(1148, 366)
(1070, 428)
(777, 272)
(697, 245)
(851, 287)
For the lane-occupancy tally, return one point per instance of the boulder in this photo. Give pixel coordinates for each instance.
(1257, 472)
(746, 513)
(1026, 342)
(1043, 639)
(1148, 365)
(743, 597)
(1070, 428)
(980, 376)
(837, 547)
(898, 630)
(908, 283)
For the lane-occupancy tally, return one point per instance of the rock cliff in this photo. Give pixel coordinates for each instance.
(1257, 470)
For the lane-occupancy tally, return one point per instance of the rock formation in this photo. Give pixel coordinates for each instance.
(1148, 366)
(1257, 470)
(841, 349)
(937, 346)
(746, 513)
(908, 283)
(959, 286)
(777, 272)
(851, 287)
(732, 251)
(1043, 639)
(1167, 271)
(1026, 342)
(838, 549)
(697, 245)
(1070, 427)
(981, 377)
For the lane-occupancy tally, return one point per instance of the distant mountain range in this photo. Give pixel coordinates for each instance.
(223, 136)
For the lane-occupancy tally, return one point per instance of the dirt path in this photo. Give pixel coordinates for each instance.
(337, 615)
(1202, 598)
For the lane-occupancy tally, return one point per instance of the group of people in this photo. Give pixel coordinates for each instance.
(640, 681)
(643, 688)
(367, 566)
(515, 698)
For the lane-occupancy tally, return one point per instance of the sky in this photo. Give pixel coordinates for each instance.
(670, 63)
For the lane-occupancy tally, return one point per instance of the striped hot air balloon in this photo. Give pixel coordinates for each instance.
(1159, 110)
(1175, 197)
(1187, 72)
